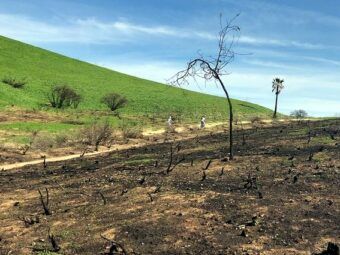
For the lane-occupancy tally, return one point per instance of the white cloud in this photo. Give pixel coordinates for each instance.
(127, 28)
(284, 13)
(323, 60)
(29, 30)
(94, 31)
(86, 30)
(272, 65)
(281, 43)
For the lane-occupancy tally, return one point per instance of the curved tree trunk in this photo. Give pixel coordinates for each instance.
(231, 118)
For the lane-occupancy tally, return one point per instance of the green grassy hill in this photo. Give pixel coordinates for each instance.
(43, 68)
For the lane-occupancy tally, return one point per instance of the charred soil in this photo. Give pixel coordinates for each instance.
(182, 196)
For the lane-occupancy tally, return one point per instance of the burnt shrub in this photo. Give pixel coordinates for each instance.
(256, 120)
(43, 142)
(96, 134)
(299, 114)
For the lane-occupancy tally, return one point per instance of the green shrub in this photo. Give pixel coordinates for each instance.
(114, 101)
(62, 96)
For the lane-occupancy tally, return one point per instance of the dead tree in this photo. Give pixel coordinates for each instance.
(213, 68)
(28, 146)
(53, 241)
(222, 171)
(311, 155)
(24, 149)
(204, 176)
(44, 162)
(115, 248)
(45, 204)
(309, 137)
(252, 184)
(157, 189)
(208, 164)
(83, 152)
(150, 196)
(243, 134)
(29, 221)
(102, 197)
(172, 162)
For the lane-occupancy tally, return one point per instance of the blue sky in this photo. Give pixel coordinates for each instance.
(296, 40)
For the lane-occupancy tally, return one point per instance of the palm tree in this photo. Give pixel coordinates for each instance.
(277, 87)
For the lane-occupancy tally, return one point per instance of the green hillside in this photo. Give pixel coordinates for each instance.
(43, 68)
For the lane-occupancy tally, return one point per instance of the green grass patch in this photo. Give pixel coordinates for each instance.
(321, 157)
(29, 127)
(18, 139)
(321, 140)
(43, 69)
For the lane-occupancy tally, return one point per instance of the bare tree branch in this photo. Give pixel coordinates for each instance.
(212, 68)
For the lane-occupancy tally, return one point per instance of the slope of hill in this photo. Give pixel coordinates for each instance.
(42, 69)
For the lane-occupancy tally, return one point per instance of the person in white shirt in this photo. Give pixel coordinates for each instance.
(170, 121)
(203, 122)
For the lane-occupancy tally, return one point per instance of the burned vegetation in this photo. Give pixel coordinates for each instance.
(280, 195)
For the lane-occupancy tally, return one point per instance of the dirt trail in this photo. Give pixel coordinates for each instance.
(147, 132)
(64, 158)
(117, 147)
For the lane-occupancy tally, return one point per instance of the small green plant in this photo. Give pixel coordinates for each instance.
(114, 101)
(14, 82)
(131, 130)
(62, 96)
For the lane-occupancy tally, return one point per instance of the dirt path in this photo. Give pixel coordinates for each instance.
(146, 133)
(117, 147)
(63, 158)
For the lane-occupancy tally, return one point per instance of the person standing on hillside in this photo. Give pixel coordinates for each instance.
(203, 122)
(170, 121)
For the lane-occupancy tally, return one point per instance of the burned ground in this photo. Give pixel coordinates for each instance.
(279, 196)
